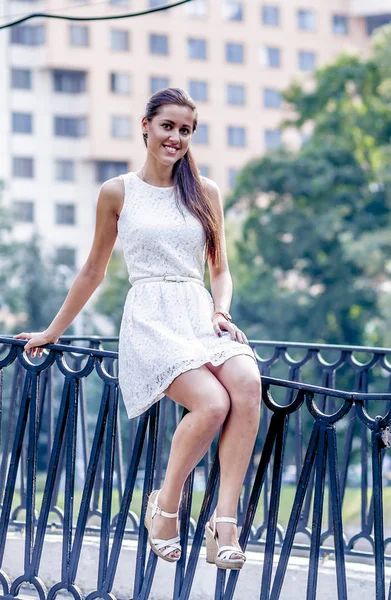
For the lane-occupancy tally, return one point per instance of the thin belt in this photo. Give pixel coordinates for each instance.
(168, 279)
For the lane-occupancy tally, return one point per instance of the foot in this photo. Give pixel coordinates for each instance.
(227, 535)
(162, 528)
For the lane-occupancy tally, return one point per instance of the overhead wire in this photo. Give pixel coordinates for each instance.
(53, 10)
(104, 18)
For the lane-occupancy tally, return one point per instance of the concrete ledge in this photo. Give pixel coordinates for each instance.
(360, 577)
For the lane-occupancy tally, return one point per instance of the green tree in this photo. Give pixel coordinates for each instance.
(34, 287)
(314, 247)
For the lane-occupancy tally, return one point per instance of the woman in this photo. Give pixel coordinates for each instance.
(175, 339)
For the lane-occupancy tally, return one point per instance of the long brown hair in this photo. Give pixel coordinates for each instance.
(186, 177)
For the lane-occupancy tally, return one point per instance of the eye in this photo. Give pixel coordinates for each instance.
(186, 131)
(166, 125)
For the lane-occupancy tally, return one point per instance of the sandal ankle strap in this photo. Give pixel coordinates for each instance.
(226, 520)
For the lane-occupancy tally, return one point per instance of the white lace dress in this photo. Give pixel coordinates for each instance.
(166, 327)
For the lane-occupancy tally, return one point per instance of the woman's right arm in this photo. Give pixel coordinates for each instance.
(93, 271)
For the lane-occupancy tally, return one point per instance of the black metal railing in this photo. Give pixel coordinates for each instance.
(72, 463)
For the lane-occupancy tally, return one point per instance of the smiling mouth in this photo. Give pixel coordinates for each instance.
(171, 150)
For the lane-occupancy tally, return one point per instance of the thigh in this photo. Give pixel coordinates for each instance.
(238, 374)
(196, 388)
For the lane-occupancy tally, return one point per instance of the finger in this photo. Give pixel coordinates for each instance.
(217, 329)
(234, 333)
(21, 336)
(239, 337)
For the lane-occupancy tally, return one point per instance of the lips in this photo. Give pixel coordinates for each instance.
(171, 149)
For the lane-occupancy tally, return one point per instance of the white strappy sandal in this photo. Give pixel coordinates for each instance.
(162, 548)
(221, 555)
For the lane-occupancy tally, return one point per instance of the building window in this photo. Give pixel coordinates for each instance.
(107, 169)
(78, 35)
(65, 214)
(236, 137)
(270, 15)
(203, 170)
(120, 83)
(23, 166)
(119, 40)
(235, 94)
(307, 61)
(22, 122)
(21, 79)
(272, 138)
(270, 57)
(70, 126)
(23, 211)
(198, 90)
(340, 24)
(306, 20)
(201, 134)
(65, 169)
(234, 53)
(197, 8)
(66, 256)
(69, 82)
(28, 35)
(158, 83)
(232, 175)
(196, 48)
(158, 44)
(376, 21)
(272, 98)
(120, 127)
(233, 10)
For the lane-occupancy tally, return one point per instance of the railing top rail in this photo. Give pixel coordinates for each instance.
(317, 389)
(271, 343)
(313, 389)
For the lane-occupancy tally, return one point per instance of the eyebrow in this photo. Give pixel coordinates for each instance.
(173, 123)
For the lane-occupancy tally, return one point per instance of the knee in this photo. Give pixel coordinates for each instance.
(247, 394)
(217, 410)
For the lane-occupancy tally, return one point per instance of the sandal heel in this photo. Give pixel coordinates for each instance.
(211, 546)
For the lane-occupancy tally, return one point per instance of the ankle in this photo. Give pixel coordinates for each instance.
(226, 511)
(168, 502)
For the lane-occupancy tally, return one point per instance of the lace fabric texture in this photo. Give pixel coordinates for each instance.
(166, 327)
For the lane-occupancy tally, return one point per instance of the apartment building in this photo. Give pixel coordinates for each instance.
(73, 93)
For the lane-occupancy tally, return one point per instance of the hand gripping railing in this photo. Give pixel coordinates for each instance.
(53, 421)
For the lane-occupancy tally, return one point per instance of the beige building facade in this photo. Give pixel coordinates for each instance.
(74, 93)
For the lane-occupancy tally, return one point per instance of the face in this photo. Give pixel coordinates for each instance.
(169, 132)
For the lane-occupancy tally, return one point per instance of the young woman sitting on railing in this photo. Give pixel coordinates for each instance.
(176, 339)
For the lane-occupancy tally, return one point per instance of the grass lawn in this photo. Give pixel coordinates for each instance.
(351, 512)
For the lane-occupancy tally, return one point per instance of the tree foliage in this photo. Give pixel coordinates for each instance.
(315, 246)
(32, 287)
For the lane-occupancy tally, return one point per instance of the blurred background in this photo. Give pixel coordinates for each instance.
(294, 103)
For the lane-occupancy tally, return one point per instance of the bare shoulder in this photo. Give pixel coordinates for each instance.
(212, 189)
(112, 194)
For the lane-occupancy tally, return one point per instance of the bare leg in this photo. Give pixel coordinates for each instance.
(207, 400)
(241, 378)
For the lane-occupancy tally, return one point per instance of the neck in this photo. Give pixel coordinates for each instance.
(156, 174)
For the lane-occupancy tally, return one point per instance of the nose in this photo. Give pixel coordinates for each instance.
(174, 136)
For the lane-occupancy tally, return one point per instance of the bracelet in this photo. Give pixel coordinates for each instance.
(225, 314)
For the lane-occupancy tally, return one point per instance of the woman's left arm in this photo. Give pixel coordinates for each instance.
(220, 276)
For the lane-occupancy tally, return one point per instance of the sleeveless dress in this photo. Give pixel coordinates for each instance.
(166, 327)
